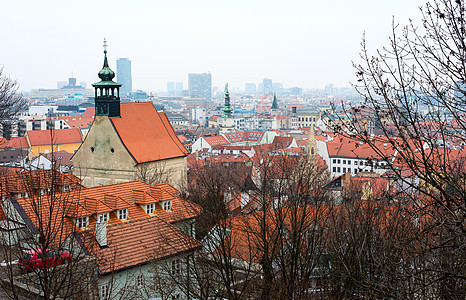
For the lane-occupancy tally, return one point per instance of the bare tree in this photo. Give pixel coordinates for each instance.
(414, 91)
(11, 103)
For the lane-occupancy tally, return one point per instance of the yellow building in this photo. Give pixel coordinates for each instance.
(44, 141)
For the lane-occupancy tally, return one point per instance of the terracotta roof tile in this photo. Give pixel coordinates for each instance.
(16, 142)
(141, 241)
(57, 137)
(143, 130)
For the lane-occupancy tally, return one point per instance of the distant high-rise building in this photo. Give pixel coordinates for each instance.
(268, 86)
(124, 76)
(179, 88)
(83, 84)
(174, 88)
(250, 88)
(170, 88)
(200, 85)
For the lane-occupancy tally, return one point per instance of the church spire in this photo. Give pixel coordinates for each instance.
(227, 109)
(274, 103)
(107, 92)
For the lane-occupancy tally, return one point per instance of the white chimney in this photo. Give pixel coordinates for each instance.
(101, 233)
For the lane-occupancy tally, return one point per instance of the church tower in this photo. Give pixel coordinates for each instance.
(107, 92)
(311, 147)
(274, 106)
(227, 119)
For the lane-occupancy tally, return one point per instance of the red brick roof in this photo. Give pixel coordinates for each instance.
(147, 134)
(56, 137)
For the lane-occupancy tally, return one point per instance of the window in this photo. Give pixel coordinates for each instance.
(104, 291)
(103, 217)
(338, 161)
(176, 297)
(176, 266)
(82, 222)
(344, 161)
(167, 205)
(150, 208)
(338, 169)
(140, 280)
(122, 214)
(344, 170)
(334, 161)
(355, 162)
(334, 169)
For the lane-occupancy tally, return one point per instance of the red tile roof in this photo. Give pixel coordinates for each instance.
(16, 142)
(78, 121)
(147, 134)
(140, 242)
(216, 140)
(243, 136)
(56, 137)
(89, 112)
(343, 146)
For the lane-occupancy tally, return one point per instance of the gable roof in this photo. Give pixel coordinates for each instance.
(56, 137)
(141, 241)
(147, 134)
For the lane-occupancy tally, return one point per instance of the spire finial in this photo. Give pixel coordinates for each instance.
(105, 45)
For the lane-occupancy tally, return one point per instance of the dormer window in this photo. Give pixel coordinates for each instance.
(67, 187)
(45, 191)
(167, 205)
(82, 222)
(22, 195)
(103, 217)
(122, 214)
(150, 208)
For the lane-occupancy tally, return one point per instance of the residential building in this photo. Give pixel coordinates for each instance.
(133, 229)
(200, 85)
(47, 141)
(124, 76)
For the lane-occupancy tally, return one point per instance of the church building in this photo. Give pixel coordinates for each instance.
(128, 141)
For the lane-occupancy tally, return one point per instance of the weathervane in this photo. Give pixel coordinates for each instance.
(105, 45)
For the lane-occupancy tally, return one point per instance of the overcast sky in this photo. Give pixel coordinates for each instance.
(306, 43)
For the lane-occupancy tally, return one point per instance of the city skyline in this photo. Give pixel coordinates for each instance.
(302, 43)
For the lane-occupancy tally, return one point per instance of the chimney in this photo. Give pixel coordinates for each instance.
(101, 234)
(293, 110)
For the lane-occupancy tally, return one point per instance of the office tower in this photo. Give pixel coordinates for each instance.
(250, 88)
(124, 76)
(171, 88)
(83, 84)
(179, 88)
(268, 86)
(200, 85)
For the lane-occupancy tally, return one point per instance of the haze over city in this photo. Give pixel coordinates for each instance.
(298, 43)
